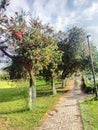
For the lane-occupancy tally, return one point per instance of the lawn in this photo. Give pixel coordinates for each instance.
(14, 114)
(89, 110)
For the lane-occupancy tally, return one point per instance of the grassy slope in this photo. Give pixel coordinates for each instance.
(89, 109)
(14, 114)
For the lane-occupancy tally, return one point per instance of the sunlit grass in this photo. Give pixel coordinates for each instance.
(7, 84)
(14, 113)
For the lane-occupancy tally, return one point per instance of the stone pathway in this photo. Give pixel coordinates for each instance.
(66, 114)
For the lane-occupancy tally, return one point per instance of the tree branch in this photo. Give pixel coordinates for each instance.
(3, 41)
(6, 53)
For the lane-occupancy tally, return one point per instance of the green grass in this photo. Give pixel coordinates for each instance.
(89, 110)
(14, 113)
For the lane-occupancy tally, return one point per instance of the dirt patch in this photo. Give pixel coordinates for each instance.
(71, 84)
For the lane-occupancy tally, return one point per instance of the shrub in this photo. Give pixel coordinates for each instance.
(88, 85)
(4, 77)
(16, 71)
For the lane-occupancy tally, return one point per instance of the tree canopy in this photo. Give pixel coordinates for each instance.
(74, 50)
(33, 44)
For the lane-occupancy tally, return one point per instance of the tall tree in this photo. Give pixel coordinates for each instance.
(74, 48)
(33, 45)
(52, 71)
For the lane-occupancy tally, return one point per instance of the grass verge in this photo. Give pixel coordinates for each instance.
(89, 110)
(14, 114)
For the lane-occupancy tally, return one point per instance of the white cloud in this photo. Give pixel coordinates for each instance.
(92, 11)
(94, 28)
(17, 5)
(58, 14)
(62, 23)
(54, 12)
(79, 3)
(93, 31)
(46, 10)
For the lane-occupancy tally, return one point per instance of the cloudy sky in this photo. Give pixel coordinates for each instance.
(62, 14)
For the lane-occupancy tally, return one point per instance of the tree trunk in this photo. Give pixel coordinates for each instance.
(32, 90)
(53, 86)
(64, 74)
(63, 83)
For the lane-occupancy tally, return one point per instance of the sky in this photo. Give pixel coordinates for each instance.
(62, 14)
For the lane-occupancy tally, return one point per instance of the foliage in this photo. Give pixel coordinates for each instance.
(88, 82)
(74, 48)
(16, 71)
(52, 70)
(87, 61)
(4, 76)
(87, 85)
(3, 5)
(95, 57)
(33, 45)
(31, 40)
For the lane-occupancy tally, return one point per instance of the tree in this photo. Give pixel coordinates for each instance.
(33, 45)
(87, 67)
(74, 49)
(52, 70)
(95, 57)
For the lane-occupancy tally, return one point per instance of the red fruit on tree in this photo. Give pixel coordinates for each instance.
(22, 34)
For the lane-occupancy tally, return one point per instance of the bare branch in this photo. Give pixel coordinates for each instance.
(2, 49)
(3, 41)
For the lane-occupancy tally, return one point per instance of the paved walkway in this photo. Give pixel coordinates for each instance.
(66, 114)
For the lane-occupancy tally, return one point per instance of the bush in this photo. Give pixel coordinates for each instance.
(16, 71)
(4, 77)
(88, 85)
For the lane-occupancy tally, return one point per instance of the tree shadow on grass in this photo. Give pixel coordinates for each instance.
(42, 93)
(12, 94)
(14, 111)
(44, 84)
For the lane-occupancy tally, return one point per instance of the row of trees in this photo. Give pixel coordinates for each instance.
(39, 49)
